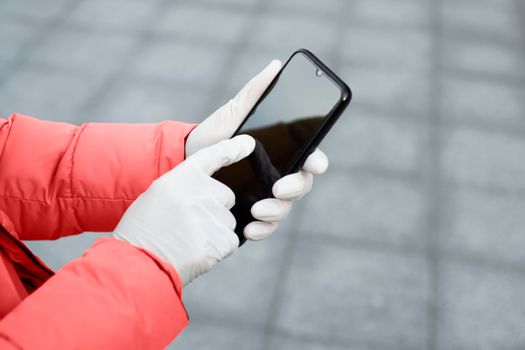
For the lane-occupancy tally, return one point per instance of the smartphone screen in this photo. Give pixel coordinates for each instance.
(284, 123)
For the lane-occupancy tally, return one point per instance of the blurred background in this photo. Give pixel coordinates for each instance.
(414, 239)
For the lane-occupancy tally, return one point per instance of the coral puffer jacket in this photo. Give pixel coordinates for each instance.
(58, 179)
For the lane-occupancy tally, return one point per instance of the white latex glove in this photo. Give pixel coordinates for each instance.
(184, 217)
(224, 122)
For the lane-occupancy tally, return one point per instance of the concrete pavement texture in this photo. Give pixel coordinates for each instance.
(414, 239)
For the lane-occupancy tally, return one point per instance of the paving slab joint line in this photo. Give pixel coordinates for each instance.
(118, 74)
(433, 181)
(520, 10)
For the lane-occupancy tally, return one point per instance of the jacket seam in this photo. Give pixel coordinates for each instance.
(96, 198)
(73, 151)
(66, 198)
(158, 149)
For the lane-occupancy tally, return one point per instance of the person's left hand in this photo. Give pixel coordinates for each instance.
(224, 122)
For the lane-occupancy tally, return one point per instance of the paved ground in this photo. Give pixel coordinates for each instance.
(415, 239)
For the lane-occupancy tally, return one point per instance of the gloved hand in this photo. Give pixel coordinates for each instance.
(184, 217)
(224, 122)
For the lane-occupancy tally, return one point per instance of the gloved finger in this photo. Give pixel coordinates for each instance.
(234, 244)
(271, 209)
(258, 230)
(225, 241)
(222, 123)
(223, 153)
(225, 216)
(293, 186)
(223, 193)
(316, 163)
(231, 222)
(233, 241)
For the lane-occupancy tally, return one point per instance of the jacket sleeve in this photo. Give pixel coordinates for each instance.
(116, 296)
(59, 179)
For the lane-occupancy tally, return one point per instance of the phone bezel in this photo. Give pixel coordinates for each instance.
(328, 121)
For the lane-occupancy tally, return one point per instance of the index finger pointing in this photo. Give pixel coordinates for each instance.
(223, 153)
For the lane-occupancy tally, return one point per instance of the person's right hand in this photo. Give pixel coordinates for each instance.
(184, 217)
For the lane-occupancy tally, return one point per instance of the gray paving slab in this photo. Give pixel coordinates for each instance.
(202, 22)
(310, 32)
(40, 11)
(490, 21)
(483, 100)
(318, 8)
(386, 47)
(487, 225)
(35, 11)
(364, 138)
(492, 59)
(284, 343)
(389, 88)
(481, 309)
(484, 158)
(145, 101)
(4, 68)
(356, 295)
(45, 94)
(83, 51)
(366, 208)
(182, 62)
(226, 3)
(203, 336)
(241, 287)
(14, 35)
(501, 5)
(116, 14)
(381, 13)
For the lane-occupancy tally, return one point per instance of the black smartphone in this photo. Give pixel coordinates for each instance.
(288, 122)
